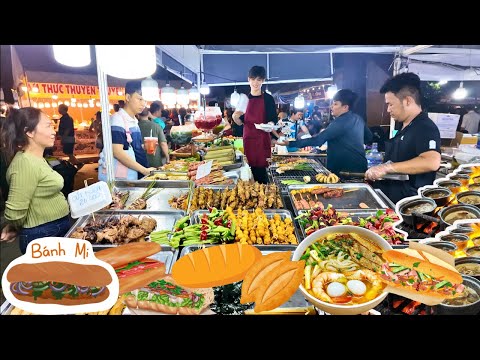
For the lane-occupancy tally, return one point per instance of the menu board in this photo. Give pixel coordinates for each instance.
(446, 123)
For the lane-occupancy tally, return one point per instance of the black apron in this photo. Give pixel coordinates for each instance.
(395, 189)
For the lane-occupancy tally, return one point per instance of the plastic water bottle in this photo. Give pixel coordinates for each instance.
(374, 157)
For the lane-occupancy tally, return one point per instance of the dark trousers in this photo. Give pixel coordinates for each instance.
(260, 174)
(53, 228)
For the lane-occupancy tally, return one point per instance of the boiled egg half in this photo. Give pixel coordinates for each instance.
(356, 287)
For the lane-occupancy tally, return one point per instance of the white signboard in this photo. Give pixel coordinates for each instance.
(90, 199)
(446, 123)
(204, 169)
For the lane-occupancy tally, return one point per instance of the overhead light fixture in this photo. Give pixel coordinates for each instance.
(47, 105)
(66, 103)
(97, 104)
(54, 96)
(54, 104)
(72, 55)
(460, 93)
(168, 95)
(35, 89)
(41, 105)
(234, 98)
(127, 61)
(74, 104)
(442, 82)
(204, 89)
(193, 93)
(332, 90)
(182, 97)
(24, 88)
(150, 91)
(299, 102)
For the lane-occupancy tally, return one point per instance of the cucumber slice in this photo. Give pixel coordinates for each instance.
(399, 268)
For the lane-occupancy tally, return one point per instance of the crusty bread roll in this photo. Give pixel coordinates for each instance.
(215, 265)
(425, 263)
(123, 254)
(142, 279)
(60, 271)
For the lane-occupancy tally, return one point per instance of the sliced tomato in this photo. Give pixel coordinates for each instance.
(342, 299)
(139, 269)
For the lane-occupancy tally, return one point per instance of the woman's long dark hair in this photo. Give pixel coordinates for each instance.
(17, 124)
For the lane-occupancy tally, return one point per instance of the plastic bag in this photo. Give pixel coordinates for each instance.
(183, 134)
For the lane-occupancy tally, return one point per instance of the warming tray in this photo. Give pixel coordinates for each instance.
(158, 202)
(349, 201)
(297, 299)
(165, 221)
(284, 213)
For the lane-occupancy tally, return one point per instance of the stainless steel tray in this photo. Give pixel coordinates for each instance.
(234, 177)
(158, 202)
(174, 173)
(297, 299)
(284, 214)
(165, 221)
(349, 201)
(385, 198)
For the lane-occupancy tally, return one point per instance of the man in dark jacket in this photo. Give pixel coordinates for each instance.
(345, 136)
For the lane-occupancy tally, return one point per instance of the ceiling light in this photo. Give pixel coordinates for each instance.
(150, 91)
(460, 93)
(234, 98)
(299, 102)
(182, 96)
(204, 89)
(127, 61)
(72, 55)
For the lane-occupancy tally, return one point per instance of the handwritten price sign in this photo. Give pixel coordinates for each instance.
(89, 199)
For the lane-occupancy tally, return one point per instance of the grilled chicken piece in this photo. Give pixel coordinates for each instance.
(148, 224)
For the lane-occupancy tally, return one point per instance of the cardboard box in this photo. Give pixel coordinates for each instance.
(462, 138)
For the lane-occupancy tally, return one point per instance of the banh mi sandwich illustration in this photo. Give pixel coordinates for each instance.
(165, 296)
(59, 282)
(215, 265)
(132, 265)
(418, 272)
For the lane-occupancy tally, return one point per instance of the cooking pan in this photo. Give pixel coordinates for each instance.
(454, 208)
(408, 218)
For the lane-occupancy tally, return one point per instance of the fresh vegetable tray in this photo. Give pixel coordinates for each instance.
(363, 193)
(158, 202)
(284, 214)
(165, 221)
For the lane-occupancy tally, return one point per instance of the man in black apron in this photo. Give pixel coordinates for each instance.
(415, 149)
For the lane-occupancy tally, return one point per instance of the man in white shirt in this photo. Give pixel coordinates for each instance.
(471, 120)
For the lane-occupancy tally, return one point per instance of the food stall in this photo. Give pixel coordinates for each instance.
(303, 203)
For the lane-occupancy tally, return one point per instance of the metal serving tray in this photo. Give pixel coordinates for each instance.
(232, 176)
(158, 202)
(284, 214)
(172, 173)
(349, 201)
(297, 299)
(165, 221)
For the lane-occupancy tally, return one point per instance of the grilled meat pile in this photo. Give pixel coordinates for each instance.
(116, 230)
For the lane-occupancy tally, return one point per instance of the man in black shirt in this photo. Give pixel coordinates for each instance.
(415, 150)
(67, 134)
(345, 136)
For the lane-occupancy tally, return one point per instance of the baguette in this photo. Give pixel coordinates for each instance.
(135, 282)
(122, 255)
(215, 265)
(425, 263)
(184, 294)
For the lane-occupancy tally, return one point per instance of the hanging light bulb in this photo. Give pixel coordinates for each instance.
(193, 94)
(299, 102)
(442, 82)
(234, 98)
(66, 102)
(41, 105)
(110, 107)
(97, 104)
(34, 104)
(332, 90)
(47, 105)
(35, 89)
(72, 55)
(54, 96)
(150, 90)
(91, 104)
(54, 104)
(24, 88)
(127, 61)
(74, 104)
(120, 93)
(182, 97)
(204, 89)
(73, 100)
(168, 95)
(460, 93)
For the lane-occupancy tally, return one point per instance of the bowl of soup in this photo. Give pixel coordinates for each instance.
(468, 266)
(449, 184)
(337, 278)
(420, 206)
(473, 251)
(474, 187)
(463, 178)
(446, 246)
(467, 304)
(450, 214)
(469, 198)
(440, 195)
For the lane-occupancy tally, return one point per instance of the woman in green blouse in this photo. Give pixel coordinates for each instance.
(35, 206)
